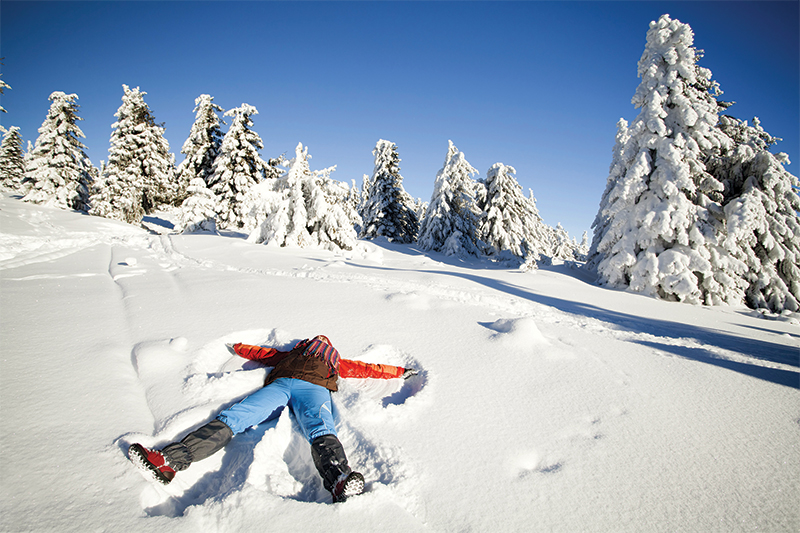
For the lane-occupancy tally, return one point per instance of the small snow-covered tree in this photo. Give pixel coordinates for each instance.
(3, 87)
(388, 210)
(761, 208)
(203, 144)
(58, 171)
(140, 173)
(237, 168)
(657, 227)
(509, 221)
(198, 212)
(450, 221)
(304, 208)
(563, 247)
(583, 247)
(12, 163)
(354, 199)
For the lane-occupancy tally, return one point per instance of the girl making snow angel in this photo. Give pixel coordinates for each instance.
(302, 379)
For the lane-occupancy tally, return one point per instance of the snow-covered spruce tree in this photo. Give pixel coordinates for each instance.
(509, 222)
(583, 247)
(761, 208)
(140, 173)
(198, 212)
(354, 201)
(58, 171)
(3, 87)
(12, 163)
(203, 144)
(563, 246)
(449, 225)
(304, 208)
(388, 210)
(657, 227)
(237, 168)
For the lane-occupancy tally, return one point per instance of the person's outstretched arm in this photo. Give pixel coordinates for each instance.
(360, 369)
(267, 356)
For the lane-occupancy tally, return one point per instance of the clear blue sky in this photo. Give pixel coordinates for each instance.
(535, 85)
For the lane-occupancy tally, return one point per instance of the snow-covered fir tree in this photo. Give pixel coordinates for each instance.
(657, 227)
(12, 160)
(388, 210)
(354, 201)
(420, 208)
(140, 173)
(563, 246)
(198, 212)
(203, 144)
(3, 87)
(58, 171)
(509, 222)
(449, 225)
(303, 208)
(583, 247)
(237, 168)
(761, 208)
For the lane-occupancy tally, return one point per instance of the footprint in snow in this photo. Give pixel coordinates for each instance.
(533, 462)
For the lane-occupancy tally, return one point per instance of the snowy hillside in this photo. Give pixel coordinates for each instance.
(543, 403)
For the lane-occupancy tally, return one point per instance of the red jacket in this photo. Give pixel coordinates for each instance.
(292, 364)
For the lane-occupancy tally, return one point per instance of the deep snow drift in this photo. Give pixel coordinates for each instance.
(544, 403)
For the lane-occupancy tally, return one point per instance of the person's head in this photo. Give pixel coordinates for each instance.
(324, 339)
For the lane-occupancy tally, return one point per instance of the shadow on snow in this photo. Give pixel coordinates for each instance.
(758, 349)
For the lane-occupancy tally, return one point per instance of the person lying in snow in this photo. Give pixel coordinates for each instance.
(303, 379)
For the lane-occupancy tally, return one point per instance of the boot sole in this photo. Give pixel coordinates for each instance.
(353, 486)
(138, 456)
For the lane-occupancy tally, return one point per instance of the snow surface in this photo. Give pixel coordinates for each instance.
(543, 403)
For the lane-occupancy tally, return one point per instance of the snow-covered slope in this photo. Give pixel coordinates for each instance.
(544, 403)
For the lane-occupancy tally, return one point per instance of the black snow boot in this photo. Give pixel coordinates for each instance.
(331, 462)
(198, 445)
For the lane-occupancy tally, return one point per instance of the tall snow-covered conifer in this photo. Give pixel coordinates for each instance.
(304, 208)
(388, 210)
(57, 170)
(203, 144)
(657, 227)
(509, 221)
(140, 173)
(450, 221)
(237, 168)
(12, 162)
(761, 209)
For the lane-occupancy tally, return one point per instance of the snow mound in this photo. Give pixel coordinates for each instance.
(517, 333)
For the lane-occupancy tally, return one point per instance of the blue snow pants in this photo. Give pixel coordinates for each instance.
(310, 404)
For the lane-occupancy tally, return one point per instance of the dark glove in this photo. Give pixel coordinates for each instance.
(408, 372)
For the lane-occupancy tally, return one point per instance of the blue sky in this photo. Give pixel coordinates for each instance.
(535, 85)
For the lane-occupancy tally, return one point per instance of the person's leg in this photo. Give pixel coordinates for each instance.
(212, 437)
(198, 445)
(257, 407)
(312, 407)
(329, 458)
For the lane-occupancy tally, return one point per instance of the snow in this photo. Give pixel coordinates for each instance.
(543, 403)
